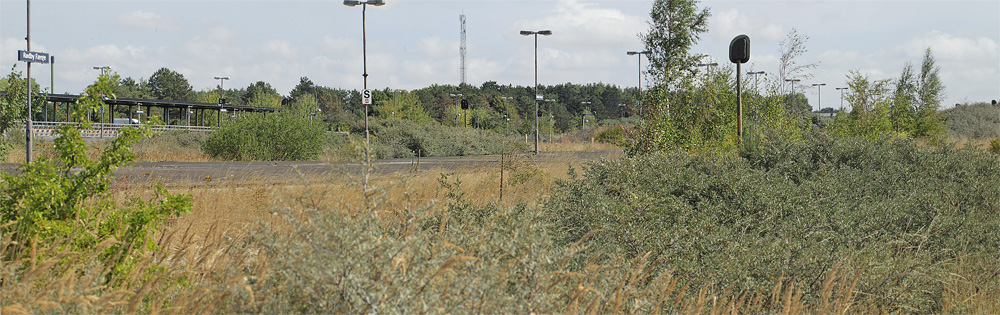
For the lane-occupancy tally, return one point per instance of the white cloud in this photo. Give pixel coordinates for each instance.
(280, 48)
(221, 34)
(435, 47)
(949, 47)
(339, 45)
(727, 24)
(579, 24)
(143, 19)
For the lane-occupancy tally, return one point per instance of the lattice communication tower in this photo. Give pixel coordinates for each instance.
(461, 47)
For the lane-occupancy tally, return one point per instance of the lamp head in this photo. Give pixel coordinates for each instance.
(526, 33)
(632, 53)
(376, 3)
(545, 32)
(351, 3)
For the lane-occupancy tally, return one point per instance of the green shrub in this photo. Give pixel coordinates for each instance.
(614, 135)
(973, 121)
(66, 198)
(995, 146)
(795, 209)
(397, 138)
(286, 135)
(465, 259)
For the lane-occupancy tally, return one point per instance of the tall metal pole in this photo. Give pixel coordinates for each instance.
(819, 97)
(841, 100)
(28, 131)
(639, 102)
(536, 93)
(739, 103)
(536, 33)
(792, 99)
(364, 62)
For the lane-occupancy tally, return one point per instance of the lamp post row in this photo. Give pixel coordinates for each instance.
(364, 5)
(537, 97)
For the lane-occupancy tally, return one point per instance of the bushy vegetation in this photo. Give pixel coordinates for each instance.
(611, 134)
(468, 259)
(398, 138)
(798, 209)
(62, 202)
(973, 121)
(283, 136)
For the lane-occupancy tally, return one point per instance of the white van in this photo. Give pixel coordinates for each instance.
(126, 121)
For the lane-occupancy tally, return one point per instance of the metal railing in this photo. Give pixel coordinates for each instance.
(102, 130)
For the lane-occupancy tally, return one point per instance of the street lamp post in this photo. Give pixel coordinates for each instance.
(841, 99)
(584, 118)
(536, 33)
(819, 96)
(756, 84)
(103, 69)
(707, 65)
(639, 54)
(792, 100)
(28, 131)
(364, 56)
(222, 95)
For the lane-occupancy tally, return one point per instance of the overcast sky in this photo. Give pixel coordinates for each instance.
(415, 43)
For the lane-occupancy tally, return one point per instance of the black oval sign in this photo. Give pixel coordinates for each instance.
(739, 49)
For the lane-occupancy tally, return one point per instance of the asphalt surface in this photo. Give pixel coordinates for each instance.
(186, 173)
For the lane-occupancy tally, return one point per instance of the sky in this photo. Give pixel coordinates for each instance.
(413, 44)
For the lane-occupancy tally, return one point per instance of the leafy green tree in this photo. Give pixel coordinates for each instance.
(305, 87)
(166, 84)
(261, 94)
(402, 105)
(129, 88)
(903, 112)
(870, 114)
(675, 27)
(13, 102)
(792, 49)
(930, 92)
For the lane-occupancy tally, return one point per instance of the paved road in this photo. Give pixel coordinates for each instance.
(193, 172)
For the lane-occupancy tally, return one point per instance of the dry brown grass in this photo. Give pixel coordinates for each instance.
(151, 152)
(576, 146)
(205, 264)
(235, 207)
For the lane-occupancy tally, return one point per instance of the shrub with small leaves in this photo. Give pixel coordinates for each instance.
(795, 209)
(51, 200)
(284, 136)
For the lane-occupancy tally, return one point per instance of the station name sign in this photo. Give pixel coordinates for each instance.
(31, 56)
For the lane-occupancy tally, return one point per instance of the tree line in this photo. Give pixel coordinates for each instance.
(491, 106)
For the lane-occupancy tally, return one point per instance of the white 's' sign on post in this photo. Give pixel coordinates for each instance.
(367, 96)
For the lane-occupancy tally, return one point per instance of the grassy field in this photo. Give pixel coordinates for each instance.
(820, 227)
